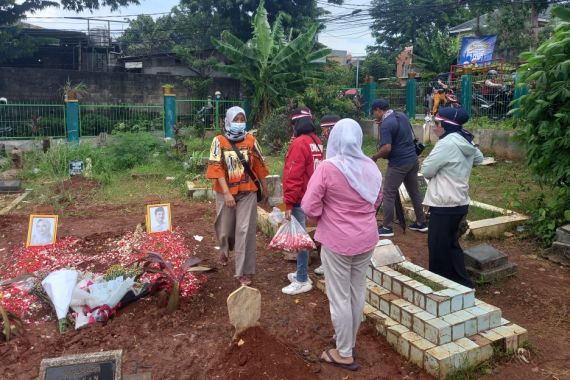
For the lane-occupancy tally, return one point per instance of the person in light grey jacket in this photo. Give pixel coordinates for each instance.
(448, 168)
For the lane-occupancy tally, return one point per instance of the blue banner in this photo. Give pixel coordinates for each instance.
(477, 49)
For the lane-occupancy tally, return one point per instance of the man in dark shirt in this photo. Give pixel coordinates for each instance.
(396, 144)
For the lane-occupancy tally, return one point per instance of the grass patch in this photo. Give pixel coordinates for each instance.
(506, 184)
(414, 276)
(474, 372)
(477, 123)
(477, 213)
(124, 189)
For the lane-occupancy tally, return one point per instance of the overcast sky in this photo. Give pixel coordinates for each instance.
(345, 32)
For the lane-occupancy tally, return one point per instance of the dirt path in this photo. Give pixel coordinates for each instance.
(195, 342)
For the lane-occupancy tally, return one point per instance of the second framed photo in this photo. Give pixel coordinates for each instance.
(42, 230)
(158, 218)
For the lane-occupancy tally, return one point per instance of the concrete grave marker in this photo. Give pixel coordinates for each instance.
(10, 186)
(559, 252)
(487, 263)
(244, 308)
(97, 365)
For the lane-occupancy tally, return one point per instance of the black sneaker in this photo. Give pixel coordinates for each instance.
(385, 232)
(418, 227)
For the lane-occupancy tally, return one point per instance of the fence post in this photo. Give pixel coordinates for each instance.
(411, 98)
(466, 92)
(72, 120)
(520, 91)
(217, 114)
(368, 96)
(169, 113)
(247, 108)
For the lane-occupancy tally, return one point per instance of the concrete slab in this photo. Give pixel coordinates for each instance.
(386, 254)
(10, 186)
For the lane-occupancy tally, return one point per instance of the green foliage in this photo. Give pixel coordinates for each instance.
(146, 36)
(401, 23)
(326, 96)
(271, 66)
(438, 53)
(14, 44)
(378, 66)
(545, 113)
(238, 15)
(94, 123)
(548, 214)
(129, 149)
(13, 11)
(55, 162)
(274, 131)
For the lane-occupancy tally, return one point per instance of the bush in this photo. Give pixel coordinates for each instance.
(55, 162)
(92, 124)
(129, 149)
(52, 126)
(274, 131)
(545, 113)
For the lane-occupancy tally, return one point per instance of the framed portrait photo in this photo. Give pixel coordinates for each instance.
(158, 218)
(42, 230)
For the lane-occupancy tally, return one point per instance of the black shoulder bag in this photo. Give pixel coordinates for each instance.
(417, 144)
(249, 172)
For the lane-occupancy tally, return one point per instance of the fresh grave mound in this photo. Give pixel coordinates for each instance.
(258, 355)
(23, 298)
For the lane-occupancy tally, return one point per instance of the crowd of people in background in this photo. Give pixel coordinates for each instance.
(330, 180)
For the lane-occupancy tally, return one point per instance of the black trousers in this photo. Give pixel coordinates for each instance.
(446, 257)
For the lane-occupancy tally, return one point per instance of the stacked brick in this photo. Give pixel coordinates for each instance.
(439, 331)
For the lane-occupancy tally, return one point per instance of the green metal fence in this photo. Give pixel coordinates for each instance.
(97, 118)
(31, 120)
(204, 114)
(396, 97)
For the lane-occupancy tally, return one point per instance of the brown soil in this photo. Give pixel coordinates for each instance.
(196, 341)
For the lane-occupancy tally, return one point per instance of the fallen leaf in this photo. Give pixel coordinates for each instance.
(297, 301)
(241, 343)
(198, 237)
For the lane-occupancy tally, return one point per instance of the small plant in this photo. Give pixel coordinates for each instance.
(169, 278)
(73, 91)
(129, 149)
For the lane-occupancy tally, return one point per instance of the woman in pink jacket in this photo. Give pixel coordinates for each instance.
(342, 195)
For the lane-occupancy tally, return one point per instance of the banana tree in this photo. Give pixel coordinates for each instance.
(272, 66)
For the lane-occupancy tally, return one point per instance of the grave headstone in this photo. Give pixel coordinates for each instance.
(98, 365)
(487, 264)
(244, 308)
(75, 167)
(17, 158)
(102, 140)
(560, 250)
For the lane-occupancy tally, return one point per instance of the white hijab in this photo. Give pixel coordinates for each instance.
(344, 150)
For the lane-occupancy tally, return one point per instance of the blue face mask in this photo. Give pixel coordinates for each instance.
(237, 128)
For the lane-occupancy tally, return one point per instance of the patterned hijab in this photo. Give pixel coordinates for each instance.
(231, 113)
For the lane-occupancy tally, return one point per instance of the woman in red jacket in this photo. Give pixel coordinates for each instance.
(304, 154)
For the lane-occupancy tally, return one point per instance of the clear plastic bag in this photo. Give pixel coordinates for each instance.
(276, 216)
(292, 237)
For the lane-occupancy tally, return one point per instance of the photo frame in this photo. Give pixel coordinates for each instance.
(158, 218)
(42, 230)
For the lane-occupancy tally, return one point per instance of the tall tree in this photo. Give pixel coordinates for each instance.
(400, 23)
(14, 44)
(146, 36)
(240, 13)
(271, 66)
(12, 11)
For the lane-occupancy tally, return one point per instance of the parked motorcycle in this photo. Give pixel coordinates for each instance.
(494, 105)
